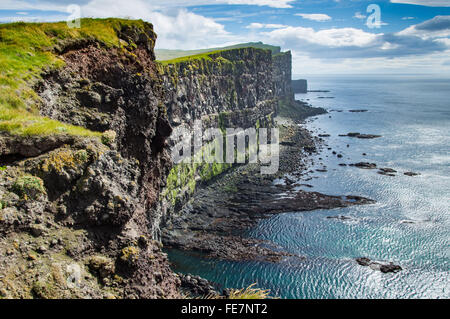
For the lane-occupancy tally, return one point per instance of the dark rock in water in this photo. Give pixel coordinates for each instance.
(343, 218)
(365, 165)
(353, 134)
(384, 268)
(324, 135)
(390, 268)
(368, 136)
(339, 156)
(386, 174)
(411, 174)
(363, 261)
(387, 171)
(342, 164)
(321, 170)
(362, 136)
(358, 111)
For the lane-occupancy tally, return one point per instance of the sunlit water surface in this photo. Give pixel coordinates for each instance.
(409, 225)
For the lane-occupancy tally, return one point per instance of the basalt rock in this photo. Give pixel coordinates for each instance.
(365, 165)
(362, 136)
(97, 199)
(383, 267)
(411, 174)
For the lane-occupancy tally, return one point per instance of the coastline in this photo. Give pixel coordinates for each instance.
(213, 223)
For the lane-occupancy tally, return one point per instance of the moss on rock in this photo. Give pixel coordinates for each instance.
(130, 254)
(29, 187)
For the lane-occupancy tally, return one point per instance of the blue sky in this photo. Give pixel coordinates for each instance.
(325, 36)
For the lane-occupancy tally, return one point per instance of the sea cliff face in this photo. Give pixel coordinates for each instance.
(238, 88)
(81, 215)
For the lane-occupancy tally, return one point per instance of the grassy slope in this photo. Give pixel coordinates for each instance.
(202, 56)
(164, 55)
(26, 50)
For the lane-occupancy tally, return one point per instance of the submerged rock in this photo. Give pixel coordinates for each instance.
(341, 217)
(411, 174)
(384, 268)
(362, 136)
(365, 165)
(387, 171)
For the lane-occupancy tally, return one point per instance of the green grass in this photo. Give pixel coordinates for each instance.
(28, 187)
(204, 56)
(26, 50)
(163, 55)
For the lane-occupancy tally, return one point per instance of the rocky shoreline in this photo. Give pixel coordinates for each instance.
(214, 221)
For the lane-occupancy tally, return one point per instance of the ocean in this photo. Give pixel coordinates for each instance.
(410, 223)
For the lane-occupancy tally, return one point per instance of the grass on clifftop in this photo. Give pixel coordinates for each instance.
(204, 56)
(208, 54)
(163, 55)
(26, 50)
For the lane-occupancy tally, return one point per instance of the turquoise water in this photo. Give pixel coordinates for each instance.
(413, 115)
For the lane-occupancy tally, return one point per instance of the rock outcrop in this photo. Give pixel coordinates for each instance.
(81, 208)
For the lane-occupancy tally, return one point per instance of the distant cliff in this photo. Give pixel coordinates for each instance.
(231, 88)
(300, 86)
(86, 179)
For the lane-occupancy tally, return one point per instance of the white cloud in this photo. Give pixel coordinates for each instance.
(188, 3)
(33, 5)
(438, 27)
(408, 18)
(269, 3)
(265, 26)
(178, 28)
(332, 38)
(343, 43)
(159, 4)
(359, 15)
(429, 3)
(314, 16)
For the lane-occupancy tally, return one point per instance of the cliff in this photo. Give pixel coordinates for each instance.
(87, 182)
(300, 86)
(165, 54)
(224, 89)
(83, 162)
